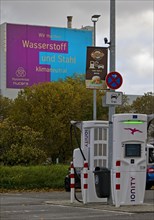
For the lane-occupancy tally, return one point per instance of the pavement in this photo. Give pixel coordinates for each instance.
(57, 205)
(143, 208)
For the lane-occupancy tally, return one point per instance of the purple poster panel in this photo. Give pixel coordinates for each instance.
(24, 44)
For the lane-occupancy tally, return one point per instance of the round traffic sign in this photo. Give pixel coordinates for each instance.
(114, 80)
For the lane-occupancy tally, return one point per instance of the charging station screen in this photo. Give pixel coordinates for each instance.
(132, 150)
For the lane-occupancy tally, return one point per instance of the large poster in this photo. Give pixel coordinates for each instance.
(96, 67)
(43, 54)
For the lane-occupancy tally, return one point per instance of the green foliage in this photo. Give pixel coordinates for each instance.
(125, 107)
(11, 133)
(5, 107)
(48, 108)
(144, 104)
(39, 118)
(20, 145)
(23, 155)
(33, 177)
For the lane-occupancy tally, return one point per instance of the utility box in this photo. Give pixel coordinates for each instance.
(102, 182)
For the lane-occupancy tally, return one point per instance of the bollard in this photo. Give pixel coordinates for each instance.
(72, 183)
(85, 181)
(117, 183)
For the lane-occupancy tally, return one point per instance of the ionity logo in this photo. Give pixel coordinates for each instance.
(133, 130)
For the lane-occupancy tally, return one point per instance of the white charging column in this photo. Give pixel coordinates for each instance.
(94, 146)
(128, 174)
(94, 143)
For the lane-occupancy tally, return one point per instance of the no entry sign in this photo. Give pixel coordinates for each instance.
(114, 80)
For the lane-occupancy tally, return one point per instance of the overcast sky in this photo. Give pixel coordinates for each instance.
(134, 31)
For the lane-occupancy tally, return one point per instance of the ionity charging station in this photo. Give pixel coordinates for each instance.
(112, 154)
(93, 151)
(128, 176)
(126, 180)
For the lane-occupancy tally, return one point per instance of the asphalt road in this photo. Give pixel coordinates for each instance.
(56, 206)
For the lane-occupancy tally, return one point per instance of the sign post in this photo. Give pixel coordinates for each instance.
(112, 68)
(114, 81)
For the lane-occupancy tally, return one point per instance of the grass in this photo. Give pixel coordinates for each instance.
(32, 177)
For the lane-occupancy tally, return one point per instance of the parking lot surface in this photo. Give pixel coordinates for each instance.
(57, 206)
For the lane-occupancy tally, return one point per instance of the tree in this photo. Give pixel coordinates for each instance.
(20, 145)
(144, 104)
(5, 106)
(49, 107)
(125, 107)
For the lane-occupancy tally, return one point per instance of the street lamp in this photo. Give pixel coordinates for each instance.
(94, 19)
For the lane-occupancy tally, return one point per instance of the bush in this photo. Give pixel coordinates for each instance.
(33, 177)
(23, 155)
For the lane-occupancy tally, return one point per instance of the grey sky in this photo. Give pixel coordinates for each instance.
(134, 31)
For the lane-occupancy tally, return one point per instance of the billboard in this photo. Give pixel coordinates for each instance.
(96, 67)
(43, 54)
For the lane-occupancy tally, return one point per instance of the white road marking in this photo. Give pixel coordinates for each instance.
(96, 209)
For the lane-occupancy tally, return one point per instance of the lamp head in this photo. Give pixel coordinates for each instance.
(94, 18)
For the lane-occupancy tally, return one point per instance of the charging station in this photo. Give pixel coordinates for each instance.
(94, 150)
(128, 173)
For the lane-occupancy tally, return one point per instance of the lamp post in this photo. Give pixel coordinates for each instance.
(94, 19)
(112, 69)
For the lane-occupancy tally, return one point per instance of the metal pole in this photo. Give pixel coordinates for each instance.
(112, 68)
(94, 19)
(94, 104)
(94, 91)
(94, 40)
